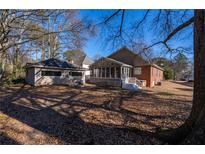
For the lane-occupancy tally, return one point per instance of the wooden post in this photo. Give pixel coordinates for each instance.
(120, 71)
(128, 72)
(98, 72)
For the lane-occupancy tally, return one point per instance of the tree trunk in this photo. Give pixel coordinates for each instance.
(193, 130)
(196, 120)
(43, 50)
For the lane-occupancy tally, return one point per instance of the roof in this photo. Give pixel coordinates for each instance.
(82, 60)
(87, 61)
(119, 62)
(156, 66)
(113, 60)
(128, 53)
(143, 61)
(79, 61)
(53, 63)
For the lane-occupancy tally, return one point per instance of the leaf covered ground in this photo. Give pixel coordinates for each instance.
(91, 115)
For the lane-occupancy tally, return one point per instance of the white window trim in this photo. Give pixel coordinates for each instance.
(139, 71)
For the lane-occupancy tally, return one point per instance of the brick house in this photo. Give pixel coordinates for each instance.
(125, 64)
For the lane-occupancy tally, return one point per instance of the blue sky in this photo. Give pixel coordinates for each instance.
(95, 44)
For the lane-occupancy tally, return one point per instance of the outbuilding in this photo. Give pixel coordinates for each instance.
(54, 71)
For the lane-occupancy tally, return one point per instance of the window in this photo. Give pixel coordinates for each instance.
(137, 70)
(75, 73)
(50, 73)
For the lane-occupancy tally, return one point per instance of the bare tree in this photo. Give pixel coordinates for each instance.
(169, 24)
(43, 33)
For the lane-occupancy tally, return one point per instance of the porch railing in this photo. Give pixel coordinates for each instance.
(132, 80)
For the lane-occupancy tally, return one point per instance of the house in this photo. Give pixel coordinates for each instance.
(125, 65)
(188, 76)
(83, 62)
(54, 71)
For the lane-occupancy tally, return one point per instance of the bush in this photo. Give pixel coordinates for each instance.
(13, 77)
(168, 73)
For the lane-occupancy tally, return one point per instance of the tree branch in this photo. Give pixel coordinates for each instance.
(174, 32)
(142, 20)
(180, 27)
(111, 16)
(122, 20)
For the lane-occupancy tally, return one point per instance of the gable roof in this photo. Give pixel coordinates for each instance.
(111, 60)
(78, 61)
(131, 58)
(119, 62)
(127, 56)
(82, 60)
(87, 61)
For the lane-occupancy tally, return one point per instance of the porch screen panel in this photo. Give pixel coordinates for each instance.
(112, 72)
(118, 72)
(103, 72)
(107, 72)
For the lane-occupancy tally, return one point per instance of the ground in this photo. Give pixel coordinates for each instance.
(91, 115)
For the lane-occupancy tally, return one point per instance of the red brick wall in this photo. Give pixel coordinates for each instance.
(150, 74)
(156, 75)
(145, 74)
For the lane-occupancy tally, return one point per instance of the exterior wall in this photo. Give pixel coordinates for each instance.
(87, 72)
(145, 75)
(106, 81)
(64, 79)
(156, 75)
(30, 76)
(151, 74)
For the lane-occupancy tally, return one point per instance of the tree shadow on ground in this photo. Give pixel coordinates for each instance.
(188, 84)
(60, 115)
(5, 140)
(185, 89)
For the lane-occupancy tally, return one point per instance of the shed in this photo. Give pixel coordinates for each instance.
(54, 71)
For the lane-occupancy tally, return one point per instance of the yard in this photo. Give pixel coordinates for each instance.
(91, 115)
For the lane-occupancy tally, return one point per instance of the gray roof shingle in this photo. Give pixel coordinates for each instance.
(53, 63)
(56, 63)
